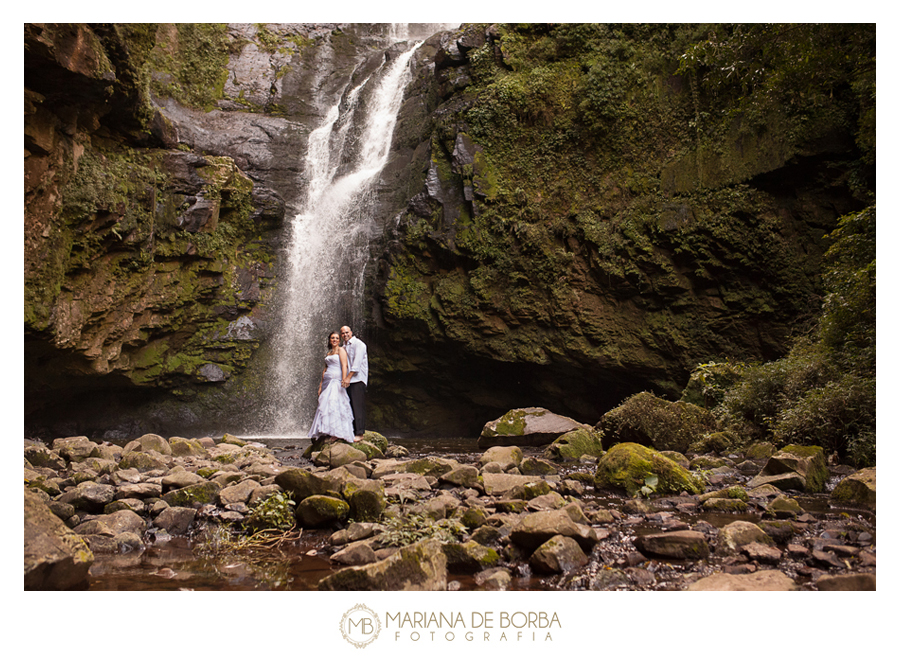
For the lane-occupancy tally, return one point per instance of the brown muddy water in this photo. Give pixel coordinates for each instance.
(195, 563)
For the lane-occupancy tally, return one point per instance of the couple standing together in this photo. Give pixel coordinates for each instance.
(342, 391)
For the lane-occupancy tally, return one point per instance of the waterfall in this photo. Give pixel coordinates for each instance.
(328, 251)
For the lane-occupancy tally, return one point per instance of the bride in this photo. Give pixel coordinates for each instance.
(334, 417)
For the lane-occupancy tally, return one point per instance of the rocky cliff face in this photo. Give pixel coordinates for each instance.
(159, 164)
(582, 224)
(565, 220)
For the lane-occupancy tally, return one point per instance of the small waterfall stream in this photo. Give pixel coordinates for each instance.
(329, 238)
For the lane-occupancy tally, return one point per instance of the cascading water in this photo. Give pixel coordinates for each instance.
(329, 238)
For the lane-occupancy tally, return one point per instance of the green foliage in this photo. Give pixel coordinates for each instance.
(191, 63)
(823, 392)
(411, 528)
(848, 313)
(276, 511)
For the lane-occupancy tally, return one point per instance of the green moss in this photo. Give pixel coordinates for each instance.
(627, 466)
(193, 59)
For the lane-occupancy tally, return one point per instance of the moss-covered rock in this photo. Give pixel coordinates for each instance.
(795, 467)
(651, 421)
(573, 445)
(319, 511)
(194, 494)
(529, 426)
(469, 557)
(418, 567)
(628, 465)
(857, 489)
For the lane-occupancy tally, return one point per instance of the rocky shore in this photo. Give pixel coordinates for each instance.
(568, 514)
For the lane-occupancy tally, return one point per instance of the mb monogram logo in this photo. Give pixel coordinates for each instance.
(360, 626)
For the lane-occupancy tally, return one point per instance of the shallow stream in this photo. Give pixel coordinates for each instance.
(183, 563)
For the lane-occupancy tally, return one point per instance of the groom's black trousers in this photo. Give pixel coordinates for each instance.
(357, 393)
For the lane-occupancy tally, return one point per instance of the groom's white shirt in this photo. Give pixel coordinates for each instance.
(358, 358)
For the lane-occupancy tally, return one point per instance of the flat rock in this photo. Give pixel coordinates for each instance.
(762, 581)
(529, 426)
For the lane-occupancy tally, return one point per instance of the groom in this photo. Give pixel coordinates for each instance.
(357, 379)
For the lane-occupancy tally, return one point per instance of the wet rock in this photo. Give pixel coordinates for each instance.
(651, 421)
(497, 579)
(628, 466)
(187, 447)
(501, 484)
(607, 580)
(734, 536)
(147, 443)
(355, 554)
(530, 426)
(761, 552)
(238, 493)
(506, 456)
(356, 532)
(803, 468)
(760, 581)
(89, 496)
(318, 511)
(558, 555)
(144, 461)
(302, 484)
(366, 499)
(176, 520)
(419, 567)
(400, 484)
(338, 454)
(75, 448)
(573, 445)
(178, 478)
(463, 476)
(469, 557)
(681, 544)
(857, 489)
(784, 507)
(538, 527)
(194, 494)
(852, 582)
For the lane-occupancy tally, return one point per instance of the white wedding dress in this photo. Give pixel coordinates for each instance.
(334, 417)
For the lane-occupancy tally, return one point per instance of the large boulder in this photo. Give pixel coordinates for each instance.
(629, 466)
(803, 468)
(652, 421)
(558, 555)
(857, 489)
(734, 536)
(418, 567)
(55, 557)
(530, 426)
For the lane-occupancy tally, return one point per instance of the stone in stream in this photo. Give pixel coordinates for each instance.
(795, 467)
(55, 557)
(558, 555)
(418, 567)
(858, 488)
(734, 536)
(176, 520)
(680, 544)
(760, 581)
(529, 426)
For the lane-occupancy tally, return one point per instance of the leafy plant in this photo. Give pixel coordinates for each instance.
(650, 483)
(276, 511)
(409, 529)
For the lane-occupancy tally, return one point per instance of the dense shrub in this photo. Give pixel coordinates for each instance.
(823, 392)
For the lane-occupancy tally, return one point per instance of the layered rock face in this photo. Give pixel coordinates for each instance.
(578, 228)
(160, 162)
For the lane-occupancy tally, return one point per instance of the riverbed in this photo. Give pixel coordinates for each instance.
(197, 563)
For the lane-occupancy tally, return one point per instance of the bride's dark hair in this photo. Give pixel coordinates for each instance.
(328, 341)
